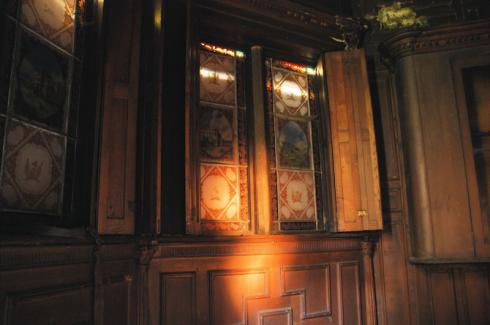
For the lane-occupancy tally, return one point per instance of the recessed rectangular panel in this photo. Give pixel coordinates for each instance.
(478, 295)
(230, 291)
(72, 306)
(217, 78)
(41, 87)
(350, 291)
(33, 169)
(117, 303)
(276, 317)
(178, 298)
(52, 19)
(312, 282)
(443, 298)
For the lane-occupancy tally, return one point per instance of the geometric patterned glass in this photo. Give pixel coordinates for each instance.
(33, 169)
(37, 124)
(223, 172)
(52, 19)
(295, 178)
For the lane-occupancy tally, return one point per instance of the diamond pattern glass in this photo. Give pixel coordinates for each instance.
(33, 169)
(53, 19)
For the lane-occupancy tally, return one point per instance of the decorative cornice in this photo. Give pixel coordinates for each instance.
(286, 10)
(168, 250)
(434, 40)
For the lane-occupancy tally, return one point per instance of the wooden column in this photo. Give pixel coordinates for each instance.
(260, 163)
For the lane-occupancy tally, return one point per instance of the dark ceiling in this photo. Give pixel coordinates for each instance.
(343, 7)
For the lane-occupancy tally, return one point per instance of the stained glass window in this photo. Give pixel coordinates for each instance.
(293, 124)
(223, 150)
(39, 78)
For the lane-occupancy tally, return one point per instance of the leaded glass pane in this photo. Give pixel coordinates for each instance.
(41, 83)
(295, 178)
(40, 80)
(52, 19)
(33, 169)
(223, 157)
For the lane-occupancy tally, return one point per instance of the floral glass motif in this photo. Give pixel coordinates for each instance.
(33, 170)
(41, 88)
(217, 78)
(217, 134)
(219, 192)
(290, 93)
(53, 19)
(296, 195)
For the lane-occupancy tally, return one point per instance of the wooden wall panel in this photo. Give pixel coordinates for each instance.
(230, 291)
(355, 162)
(178, 294)
(313, 287)
(45, 307)
(443, 299)
(119, 106)
(477, 292)
(313, 283)
(350, 306)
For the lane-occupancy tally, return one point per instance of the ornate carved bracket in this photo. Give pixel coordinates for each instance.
(352, 31)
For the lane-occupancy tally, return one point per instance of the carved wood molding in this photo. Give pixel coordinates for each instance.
(308, 21)
(166, 250)
(19, 257)
(283, 8)
(438, 39)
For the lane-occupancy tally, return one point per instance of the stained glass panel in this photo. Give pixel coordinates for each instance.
(293, 143)
(219, 192)
(41, 83)
(33, 169)
(217, 78)
(217, 134)
(223, 147)
(290, 93)
(53, 19)
(295, 177)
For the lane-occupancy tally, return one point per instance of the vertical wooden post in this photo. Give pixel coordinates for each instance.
(260, 163)
(369, 285)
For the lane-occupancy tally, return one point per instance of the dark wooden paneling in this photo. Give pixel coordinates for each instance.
(45, 307)
(230, 291)
(178, 294)
(477, 292)
(443, 299)
(350, 302)
(256, 286)
(119, 101)
(316, 299)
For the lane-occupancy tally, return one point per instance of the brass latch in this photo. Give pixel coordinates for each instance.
(362, 213)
